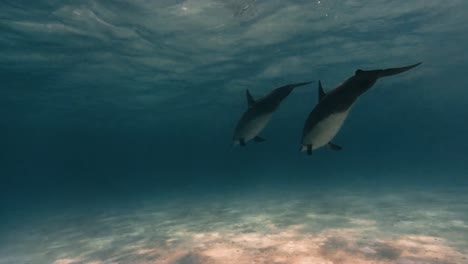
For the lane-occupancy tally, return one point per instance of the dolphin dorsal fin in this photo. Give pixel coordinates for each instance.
(250, 99)
(321, 91)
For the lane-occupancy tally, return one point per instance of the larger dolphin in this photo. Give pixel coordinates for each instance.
(326, 119)
(259, 113)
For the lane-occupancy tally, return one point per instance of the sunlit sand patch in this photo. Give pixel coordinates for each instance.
(267, 231)
(363, 222)
(222, 252)
(255, 240)
(330, 246)
(433, 248)
(205, 237)
(67, 260)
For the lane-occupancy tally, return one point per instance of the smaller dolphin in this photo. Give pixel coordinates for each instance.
(259, 113)
(326, 119)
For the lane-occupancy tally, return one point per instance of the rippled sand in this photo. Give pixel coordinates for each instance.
(268, 226)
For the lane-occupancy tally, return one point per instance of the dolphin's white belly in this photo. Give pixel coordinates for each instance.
(325, 130)
(253, 127)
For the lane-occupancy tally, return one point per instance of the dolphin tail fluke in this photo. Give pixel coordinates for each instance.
(291, 86)
(294, 85)
(394, 71)
(283, 91)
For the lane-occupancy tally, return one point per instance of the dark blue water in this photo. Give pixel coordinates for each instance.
(116, 119)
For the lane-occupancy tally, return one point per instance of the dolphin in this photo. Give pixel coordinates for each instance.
(259, 113)
(326, 119)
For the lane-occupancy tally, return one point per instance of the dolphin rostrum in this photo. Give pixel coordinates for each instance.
(259, 113)
(326, 119)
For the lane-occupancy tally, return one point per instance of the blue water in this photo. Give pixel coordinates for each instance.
(124, 109)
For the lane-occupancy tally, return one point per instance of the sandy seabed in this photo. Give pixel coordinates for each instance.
(266, 226)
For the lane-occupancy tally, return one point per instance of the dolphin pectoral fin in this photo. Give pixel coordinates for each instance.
(242, 142)
(309, 150)
(250, 99)
(394, 71)
(259, 139)
(321, 91)
(333, 146)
